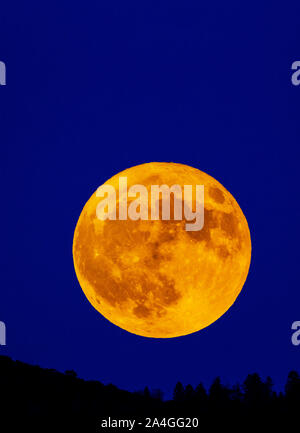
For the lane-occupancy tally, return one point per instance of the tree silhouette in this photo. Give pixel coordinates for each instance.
(146, 392)
(40, 395)
(201, 394)
(254, 390)
(178, 394)
(218, 394)
(189, 393)
(292, 389)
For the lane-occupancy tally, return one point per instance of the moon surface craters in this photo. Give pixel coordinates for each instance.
(155, 278)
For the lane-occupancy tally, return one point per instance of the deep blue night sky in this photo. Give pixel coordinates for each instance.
(94, 89)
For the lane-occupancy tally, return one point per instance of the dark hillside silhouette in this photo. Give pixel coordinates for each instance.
(32, 396)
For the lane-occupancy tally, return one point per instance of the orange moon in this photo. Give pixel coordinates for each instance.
(154, 278)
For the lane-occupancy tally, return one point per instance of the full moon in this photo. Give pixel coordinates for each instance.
(155, 278)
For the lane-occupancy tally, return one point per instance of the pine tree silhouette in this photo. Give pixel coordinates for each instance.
(178, 394)
(44, 395)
